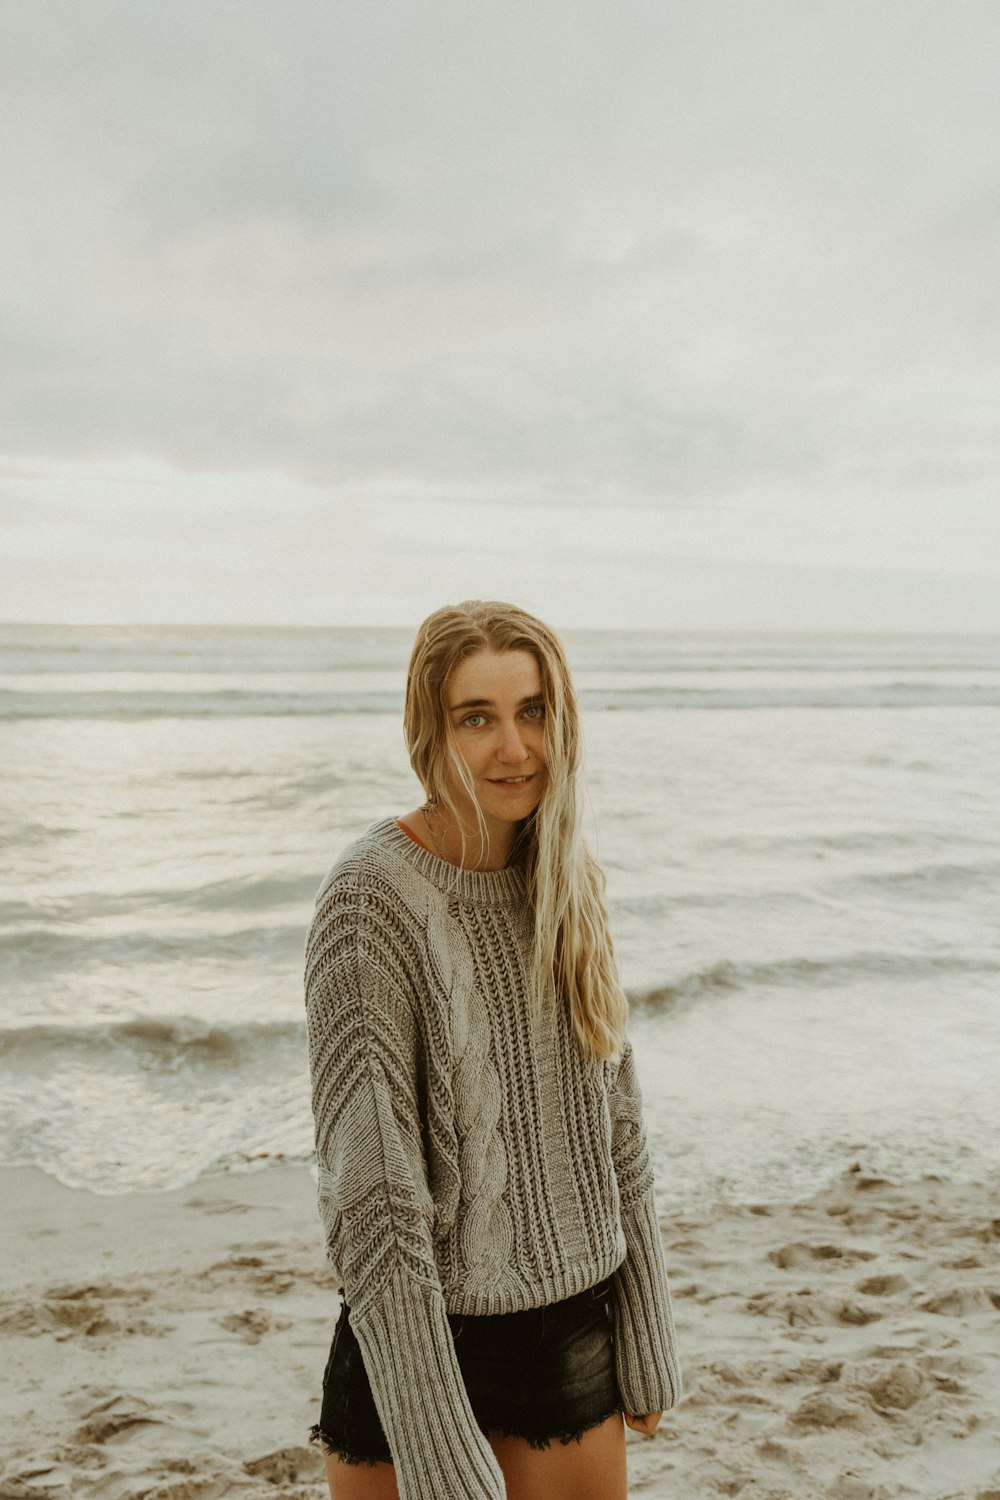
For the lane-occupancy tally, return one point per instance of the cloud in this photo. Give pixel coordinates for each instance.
(320, 220)
(681, 256)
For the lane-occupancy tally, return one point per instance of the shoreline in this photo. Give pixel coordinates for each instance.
(172, 1344)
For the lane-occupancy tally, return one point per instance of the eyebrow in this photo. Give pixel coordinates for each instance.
(488, 702)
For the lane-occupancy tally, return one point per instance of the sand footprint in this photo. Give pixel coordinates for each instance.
(797, 1254)
(29, 1484)
(959, 1300)
(947, 1370)
(252, 1324)
(850, 1487)
(203, 1487)
(117, 1415)
(897, 1388)
(806, 1308)
(814, 1371)
(72, 1309)
(882, 1286)
(289, 1465)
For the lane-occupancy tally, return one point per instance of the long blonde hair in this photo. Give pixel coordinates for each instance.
(574, 954)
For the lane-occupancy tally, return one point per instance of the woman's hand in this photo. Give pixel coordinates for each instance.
(647, 1424)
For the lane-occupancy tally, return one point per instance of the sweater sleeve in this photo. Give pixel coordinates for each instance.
(645, 1342)
(374, 1202)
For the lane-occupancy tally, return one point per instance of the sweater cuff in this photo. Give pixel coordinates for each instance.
(438, 1447)
(646, 1360)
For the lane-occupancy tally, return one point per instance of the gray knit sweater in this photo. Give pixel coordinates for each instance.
(468, 1162)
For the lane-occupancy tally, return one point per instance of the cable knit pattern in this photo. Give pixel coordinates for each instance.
(487, 1235)
(469, 1160)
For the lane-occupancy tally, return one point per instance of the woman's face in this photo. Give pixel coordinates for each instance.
(496, 706)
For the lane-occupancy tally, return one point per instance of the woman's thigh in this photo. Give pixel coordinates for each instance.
(592, 1469)
(360, 1481)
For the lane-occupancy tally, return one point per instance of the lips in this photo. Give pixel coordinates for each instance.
(512, 780)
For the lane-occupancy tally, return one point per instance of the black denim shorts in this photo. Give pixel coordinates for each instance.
(542, 1374)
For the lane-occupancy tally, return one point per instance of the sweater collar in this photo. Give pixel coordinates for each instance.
(504, 887)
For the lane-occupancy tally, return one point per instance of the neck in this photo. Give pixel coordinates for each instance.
(477, 854)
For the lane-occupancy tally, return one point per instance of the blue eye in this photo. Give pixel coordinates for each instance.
(469, 718)
(536, 710)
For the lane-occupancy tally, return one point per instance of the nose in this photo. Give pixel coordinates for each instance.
(511, 750)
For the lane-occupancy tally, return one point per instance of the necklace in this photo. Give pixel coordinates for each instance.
(425, 811)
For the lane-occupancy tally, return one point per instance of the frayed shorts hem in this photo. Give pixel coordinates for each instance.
(534, 1440)
(329, 1447)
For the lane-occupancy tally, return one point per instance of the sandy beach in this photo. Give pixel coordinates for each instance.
(172, 1344)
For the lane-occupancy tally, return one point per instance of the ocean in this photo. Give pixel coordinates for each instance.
(801, 835)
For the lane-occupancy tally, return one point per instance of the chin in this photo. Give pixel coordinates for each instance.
(515, 810)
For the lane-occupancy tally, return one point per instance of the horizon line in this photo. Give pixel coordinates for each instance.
(677, 630)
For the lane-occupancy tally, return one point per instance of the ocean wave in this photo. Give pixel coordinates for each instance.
(226, 703)
(945, 875)
(208, 649)
(175, 1042)
(143, 1041)
(46, 949)
(951, 875)
(237, 893)
(33, 835)
(875, 695)
(199, 648)
(253, 892)
(728, 975)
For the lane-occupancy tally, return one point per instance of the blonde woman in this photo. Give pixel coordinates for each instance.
(484, 1181)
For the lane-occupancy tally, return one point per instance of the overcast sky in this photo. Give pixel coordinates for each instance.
(679, 314)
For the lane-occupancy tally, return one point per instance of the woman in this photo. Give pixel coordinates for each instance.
(484, 1181)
